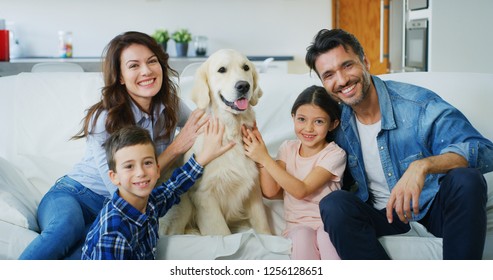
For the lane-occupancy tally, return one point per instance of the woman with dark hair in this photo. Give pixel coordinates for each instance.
(138, 90)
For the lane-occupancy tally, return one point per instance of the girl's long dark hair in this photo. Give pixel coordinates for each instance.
(115, 98)
(317, 95)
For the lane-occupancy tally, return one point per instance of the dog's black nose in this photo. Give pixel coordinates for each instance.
(242, 87)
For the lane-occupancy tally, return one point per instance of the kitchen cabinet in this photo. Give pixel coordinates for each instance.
(461, 37)
(89, 64)
(279, 64)
(19, 65)
(368, 20)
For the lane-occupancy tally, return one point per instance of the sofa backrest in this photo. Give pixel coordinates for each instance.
(40, 112)
(46, 110)
(7, 93)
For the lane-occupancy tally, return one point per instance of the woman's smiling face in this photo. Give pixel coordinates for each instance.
(141, 73)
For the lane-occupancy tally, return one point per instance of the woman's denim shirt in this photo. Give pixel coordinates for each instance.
(416, 123)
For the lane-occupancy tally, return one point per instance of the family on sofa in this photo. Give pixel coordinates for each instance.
(409, 157)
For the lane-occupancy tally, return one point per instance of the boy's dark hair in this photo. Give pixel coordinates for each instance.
(125, 137)
(318, 96)
(326, 40)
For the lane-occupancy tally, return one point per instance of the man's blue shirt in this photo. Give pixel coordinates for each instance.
(416, 123)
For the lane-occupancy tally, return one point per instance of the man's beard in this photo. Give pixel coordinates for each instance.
(356, 100)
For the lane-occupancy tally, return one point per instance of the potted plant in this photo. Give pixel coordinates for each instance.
(181, 37)
(162, 37)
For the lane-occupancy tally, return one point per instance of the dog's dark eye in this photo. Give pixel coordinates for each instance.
(222, 70)
(246, 67)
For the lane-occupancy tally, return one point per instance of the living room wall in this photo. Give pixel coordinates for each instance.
(255, 27)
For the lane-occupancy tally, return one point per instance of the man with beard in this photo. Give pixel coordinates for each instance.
(411, 155)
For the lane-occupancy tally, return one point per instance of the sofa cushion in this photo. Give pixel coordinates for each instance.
(13, 240)
(19, 199)
(246, 245)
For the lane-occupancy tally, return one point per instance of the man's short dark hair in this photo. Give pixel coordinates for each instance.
(326, 40)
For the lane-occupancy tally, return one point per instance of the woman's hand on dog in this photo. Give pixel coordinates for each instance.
(183, 140)
(193, 127)
(213, 142)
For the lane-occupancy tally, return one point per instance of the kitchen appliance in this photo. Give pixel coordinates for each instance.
(4, 45)
(414, 5)
(416, 46)
(4, 42)
(397, 21)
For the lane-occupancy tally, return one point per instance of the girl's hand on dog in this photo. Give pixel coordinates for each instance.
(254, 145)
(213, 142)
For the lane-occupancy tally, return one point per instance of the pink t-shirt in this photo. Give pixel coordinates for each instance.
(306, 211)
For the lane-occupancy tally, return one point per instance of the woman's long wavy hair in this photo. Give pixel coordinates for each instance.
(115, 98)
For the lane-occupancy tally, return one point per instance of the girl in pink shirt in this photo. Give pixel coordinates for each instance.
(306, 170)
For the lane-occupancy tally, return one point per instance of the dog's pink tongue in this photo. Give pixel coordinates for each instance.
(242, 103)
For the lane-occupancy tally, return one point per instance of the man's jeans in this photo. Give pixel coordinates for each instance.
(458, 215)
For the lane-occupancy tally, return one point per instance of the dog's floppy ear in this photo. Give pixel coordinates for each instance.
(257, 91)
(200, 90)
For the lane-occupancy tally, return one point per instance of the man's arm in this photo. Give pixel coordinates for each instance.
(411, 184)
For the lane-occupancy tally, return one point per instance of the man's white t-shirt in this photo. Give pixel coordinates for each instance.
(373, 165)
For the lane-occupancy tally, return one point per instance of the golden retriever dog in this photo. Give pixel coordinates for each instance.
(227, 198)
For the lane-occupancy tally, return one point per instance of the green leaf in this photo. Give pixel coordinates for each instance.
(161, 35)
(181, 36)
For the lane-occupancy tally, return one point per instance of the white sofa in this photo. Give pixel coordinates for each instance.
(39, 112)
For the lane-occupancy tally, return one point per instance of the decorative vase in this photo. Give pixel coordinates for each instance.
(181, 49)
(200, 44)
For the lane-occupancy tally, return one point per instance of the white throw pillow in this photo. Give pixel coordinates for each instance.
(14, 212)
(19, 199)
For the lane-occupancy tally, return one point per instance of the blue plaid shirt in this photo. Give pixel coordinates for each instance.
(122, 232)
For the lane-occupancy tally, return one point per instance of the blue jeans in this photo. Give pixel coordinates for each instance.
(65, 214)
(457, 214)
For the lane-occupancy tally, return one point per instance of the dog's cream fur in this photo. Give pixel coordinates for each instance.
(228, 196)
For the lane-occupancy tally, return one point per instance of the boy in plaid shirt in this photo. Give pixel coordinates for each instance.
(127, 226)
